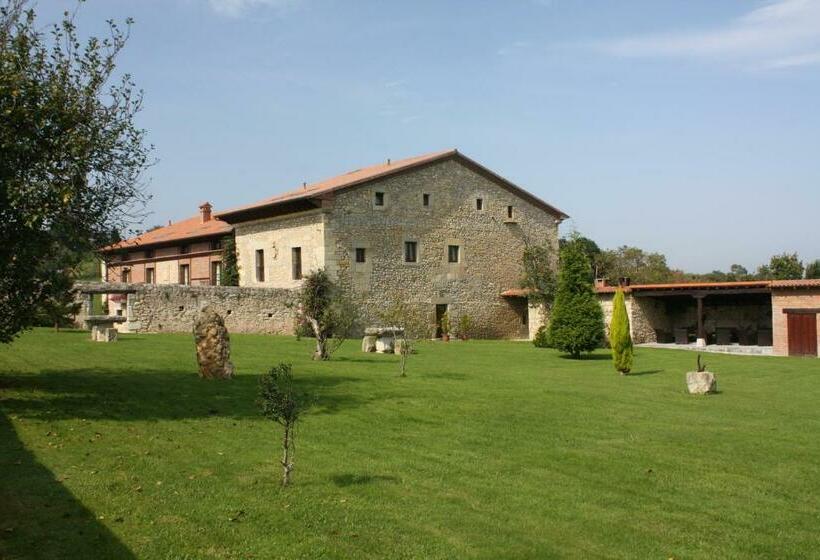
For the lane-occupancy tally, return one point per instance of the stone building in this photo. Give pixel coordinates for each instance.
(187, 252)
(439, 230)
(781, 317)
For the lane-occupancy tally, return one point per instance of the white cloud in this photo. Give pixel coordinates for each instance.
(785, 30)
(512, 48)
(806, 59)
(237, 8)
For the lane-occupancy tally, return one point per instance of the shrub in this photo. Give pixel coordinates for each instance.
(620, 338)
(541, 339)
(577, 322)
(465, 326)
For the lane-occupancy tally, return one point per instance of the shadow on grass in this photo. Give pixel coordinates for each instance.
(156, 395)
(360, 479)
(39, 517)
(645, 372)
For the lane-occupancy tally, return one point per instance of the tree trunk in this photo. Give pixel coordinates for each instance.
(321, 341)
(287, 466)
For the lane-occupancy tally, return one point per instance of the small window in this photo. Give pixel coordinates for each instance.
(378, 199)
(452, 253)
(149, 253)
(260, 265)
(509, 212)
(479, 204)
(149, 276)
(425, 199)
(126, 275)
(184, 274)
(216, 273)
(410, 251)
(216, 244)
(361, 255)
(184, 250)
(296, 259)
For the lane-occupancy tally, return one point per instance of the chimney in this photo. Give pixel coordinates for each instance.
(205, 212)
(624, 281)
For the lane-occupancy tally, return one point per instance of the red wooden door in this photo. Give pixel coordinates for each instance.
(802, 334)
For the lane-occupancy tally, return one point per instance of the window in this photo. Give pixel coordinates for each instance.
(378, 199)
(509, 212)
(216, 244)
(425, 199)
(149, 253)
(149, 276)
(184, 250)
(216, 273)
(479, 204)
(361, 255)
(452, 253)
(184, 274)
(126, 275)
(260, 265)
(410, 251)
(296, 261)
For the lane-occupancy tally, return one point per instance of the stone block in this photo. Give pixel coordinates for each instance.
(109, 335)
(701, 382)
(369, 343)
(384, 345)
(213, 346)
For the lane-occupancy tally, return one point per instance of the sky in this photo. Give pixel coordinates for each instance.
(688, 127)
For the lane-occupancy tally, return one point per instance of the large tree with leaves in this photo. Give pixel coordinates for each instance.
(577, 322)
(325, 306)
(71, 156)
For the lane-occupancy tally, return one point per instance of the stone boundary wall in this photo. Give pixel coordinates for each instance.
(174, 307)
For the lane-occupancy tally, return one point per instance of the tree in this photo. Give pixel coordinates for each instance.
(786, 266)
(402, 314)
(71, 157)
(813, 269)
(539, 275)
(738, 273)
(577, 323)
(620, 338)
(279, 401)
(230, 264)
(634, 263)
(590, 248)
(328, 310)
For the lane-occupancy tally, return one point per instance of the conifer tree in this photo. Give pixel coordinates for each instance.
(620, 338)
(577, 323)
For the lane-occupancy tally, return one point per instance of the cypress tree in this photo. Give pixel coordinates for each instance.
(230, 264)
(577, 322)
(619, 337)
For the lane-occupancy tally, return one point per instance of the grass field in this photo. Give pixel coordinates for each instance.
(486, 450)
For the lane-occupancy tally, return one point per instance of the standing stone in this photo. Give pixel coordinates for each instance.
(213, 346)
(384, 344)
(701, 382)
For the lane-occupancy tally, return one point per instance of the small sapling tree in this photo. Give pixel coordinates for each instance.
(324, 305)
(279, 401)
(412, 326)
(620, 338)
(577, 322)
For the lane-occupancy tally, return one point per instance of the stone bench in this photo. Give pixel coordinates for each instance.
(102, 327)
(381, 339)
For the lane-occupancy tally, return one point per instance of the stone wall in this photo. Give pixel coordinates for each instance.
(644, 316)
(173, 308)
(490, 246)
(790, 299)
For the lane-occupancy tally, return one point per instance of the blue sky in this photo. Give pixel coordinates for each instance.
(686, 127)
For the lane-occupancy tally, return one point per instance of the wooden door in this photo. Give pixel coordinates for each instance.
(802, 334)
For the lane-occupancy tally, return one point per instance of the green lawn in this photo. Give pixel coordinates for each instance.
(486, 450)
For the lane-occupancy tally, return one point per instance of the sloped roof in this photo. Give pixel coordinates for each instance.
(191, 228)
(373, 172)
(749, 284)
(802, 283)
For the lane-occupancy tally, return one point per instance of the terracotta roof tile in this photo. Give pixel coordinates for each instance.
(802, 283)
(371, 173)
(516, 292)
(190, 228)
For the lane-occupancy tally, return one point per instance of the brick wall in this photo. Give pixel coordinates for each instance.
(790, 299)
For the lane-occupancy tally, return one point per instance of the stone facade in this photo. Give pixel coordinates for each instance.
(645, 315)
(490, 243)
(791, 299)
